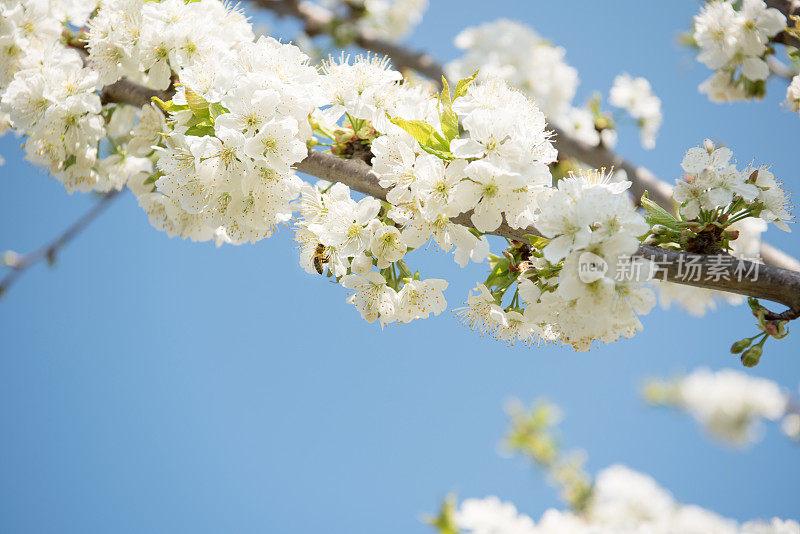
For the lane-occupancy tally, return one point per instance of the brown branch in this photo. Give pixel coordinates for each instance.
(125, 91)
(49, 251)
(765, 282)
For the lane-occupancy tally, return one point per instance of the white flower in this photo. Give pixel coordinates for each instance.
(420, 298)
(579, 123)
(348, 228)
(478, 314)
(511, 51)
(635, 95)
(759, 24)
(387, 246)
(277, 143)
(774, 199)
(372, 297)
(730, 404)
(147, 133)
(391, 19)
(492, 516)
(716, 31)
(622, 497)
(489, 191)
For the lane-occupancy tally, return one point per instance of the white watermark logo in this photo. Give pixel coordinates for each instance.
(591, 267)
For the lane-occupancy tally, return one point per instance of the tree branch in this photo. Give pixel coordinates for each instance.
(125, 91)
(49, 251)
(765, 282)
(315, 18)
(776, 282)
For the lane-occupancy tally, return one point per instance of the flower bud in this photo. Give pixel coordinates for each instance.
(751, 356)
(708, 144)
(740, 345)
(732, 235)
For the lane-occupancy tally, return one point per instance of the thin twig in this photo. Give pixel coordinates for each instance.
(50, 250)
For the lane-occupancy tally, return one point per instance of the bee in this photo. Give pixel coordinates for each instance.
(321, 257)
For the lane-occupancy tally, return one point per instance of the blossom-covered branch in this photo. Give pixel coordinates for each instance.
(316, 19)
(217, 162)
(772, 283)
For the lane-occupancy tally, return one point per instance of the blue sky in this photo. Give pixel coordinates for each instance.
(154, 385)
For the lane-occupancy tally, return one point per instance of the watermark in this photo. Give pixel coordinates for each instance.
(683, 268)
(709, 268)
(591, 267)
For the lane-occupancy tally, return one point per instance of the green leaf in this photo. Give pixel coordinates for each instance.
(216, 109)
(463, 85)
(168, 106)
(195, 101)
(441, 154)
(655, 214)
(445, 522)
(153, 177)
(424, 133)
(447, 116)
(201, 130)
(536, 241)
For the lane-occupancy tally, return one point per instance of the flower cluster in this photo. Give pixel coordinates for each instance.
(226, 167)
(349, 238)
(431, 173)
(152, 41)
(54, 102)
(733, 38)
(48, 94)
(512, 51)
(583, 269)
(729, 404)
(622, 500)
(722, 209)
(713, 185)
(635, 95)
(593, 230)
(390, 20)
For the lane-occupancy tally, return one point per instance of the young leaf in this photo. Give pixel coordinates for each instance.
(447, 116)
(425, 134)
(463, 85)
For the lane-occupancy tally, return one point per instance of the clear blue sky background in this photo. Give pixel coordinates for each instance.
(156, 385)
